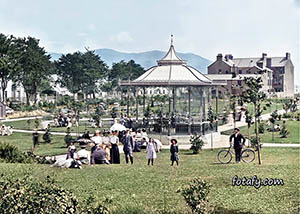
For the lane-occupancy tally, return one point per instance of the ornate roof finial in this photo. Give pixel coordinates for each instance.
(171, 39)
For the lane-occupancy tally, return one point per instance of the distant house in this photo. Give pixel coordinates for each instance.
(277, 72)
(2, 110)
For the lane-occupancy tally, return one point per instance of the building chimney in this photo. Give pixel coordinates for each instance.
(287, 55)
(228, 57)
(264, 55)
(269, 62)
(219, 57)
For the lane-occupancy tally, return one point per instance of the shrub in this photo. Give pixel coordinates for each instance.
(26, 195)
(197, 143)
(261, 128)
(11, 154)
(284, 132)
(196, 195)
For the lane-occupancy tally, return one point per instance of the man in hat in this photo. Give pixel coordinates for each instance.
(128, 146)
(238, 142)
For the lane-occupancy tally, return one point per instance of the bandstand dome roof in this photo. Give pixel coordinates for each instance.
(171, 70)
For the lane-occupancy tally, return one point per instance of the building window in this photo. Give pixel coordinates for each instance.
(220, 71)
(227, 72)
(240, 72)
(239, 82)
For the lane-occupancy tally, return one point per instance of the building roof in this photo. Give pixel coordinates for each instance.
(171, 71)
(250, 62)
(226, 77)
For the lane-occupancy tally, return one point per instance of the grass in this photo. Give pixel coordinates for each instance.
(24, 142)
(292, 126)
(143, 189)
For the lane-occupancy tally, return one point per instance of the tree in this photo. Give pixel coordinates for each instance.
(34, 67)
(273, 117)
(211, 118)
(69, 70)
(253, 94)
(94, 70)
(249, 118)
(7, 62)
(124, 71)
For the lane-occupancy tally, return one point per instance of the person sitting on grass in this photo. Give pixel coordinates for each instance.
(83, 155)
(99, 156)
(71, 151)
(174, 152)
(151, 151)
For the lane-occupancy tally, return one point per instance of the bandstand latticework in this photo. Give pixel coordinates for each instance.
(185, 85)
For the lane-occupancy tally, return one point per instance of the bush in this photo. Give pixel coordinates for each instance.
(43, 196)
(261, 128)
(197, 143)
(196, 195)
(287, 116)
(11, 154)
(284, 132)
(27, 196)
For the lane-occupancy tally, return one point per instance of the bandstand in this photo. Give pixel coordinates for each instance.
(184, 84)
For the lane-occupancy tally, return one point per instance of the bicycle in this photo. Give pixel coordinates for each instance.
(225, 155)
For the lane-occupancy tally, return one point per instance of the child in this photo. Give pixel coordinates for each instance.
(174, 151)
(151, 153)
(71, 151)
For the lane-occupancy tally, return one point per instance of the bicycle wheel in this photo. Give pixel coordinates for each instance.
(224, 156)
(248, 155)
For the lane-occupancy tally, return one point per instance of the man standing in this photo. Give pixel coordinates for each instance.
(128, 146)
(238, 142)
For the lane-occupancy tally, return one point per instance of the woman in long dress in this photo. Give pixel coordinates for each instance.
(151, 152)
(114, 151)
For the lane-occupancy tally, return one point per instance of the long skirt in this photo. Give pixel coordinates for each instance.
(114, 154)
(174, 156)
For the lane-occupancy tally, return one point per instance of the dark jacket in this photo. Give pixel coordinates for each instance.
(128, 143)
(98, 155)
(238, 141)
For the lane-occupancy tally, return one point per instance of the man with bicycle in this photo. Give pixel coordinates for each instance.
(238, 142)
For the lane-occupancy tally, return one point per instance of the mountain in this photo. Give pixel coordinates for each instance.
(146, 59)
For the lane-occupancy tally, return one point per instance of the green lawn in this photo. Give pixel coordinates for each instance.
(143, 189)
(292, 126)
(24, 142)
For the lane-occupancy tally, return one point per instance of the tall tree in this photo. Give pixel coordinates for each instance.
(123, 71)
(34, 66)
(7, 62)
(69, 70)
(94, 70)
(253, 94)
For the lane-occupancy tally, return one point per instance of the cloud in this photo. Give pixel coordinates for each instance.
(122, 38)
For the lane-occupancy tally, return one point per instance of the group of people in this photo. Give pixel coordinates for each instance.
(6, 130)
(66, 121)
(105, 149)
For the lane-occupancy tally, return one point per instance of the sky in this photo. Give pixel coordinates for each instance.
(243, 28)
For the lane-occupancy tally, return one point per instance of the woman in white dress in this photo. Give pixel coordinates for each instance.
(151, 152)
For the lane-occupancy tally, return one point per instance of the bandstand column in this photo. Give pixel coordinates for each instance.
(174, 100)
(217, 117)
(144, 100)
(189, 125)
(128, 102)
(203, 112)
(169, 115)
(201, 109)
(136, 91)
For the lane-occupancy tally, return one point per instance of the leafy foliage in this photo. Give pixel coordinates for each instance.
(197, 143)
(196, 195)
(11, 154)
(27, 195)
(284, 132)
(261, 128)
(34, 67)
(124, 71)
